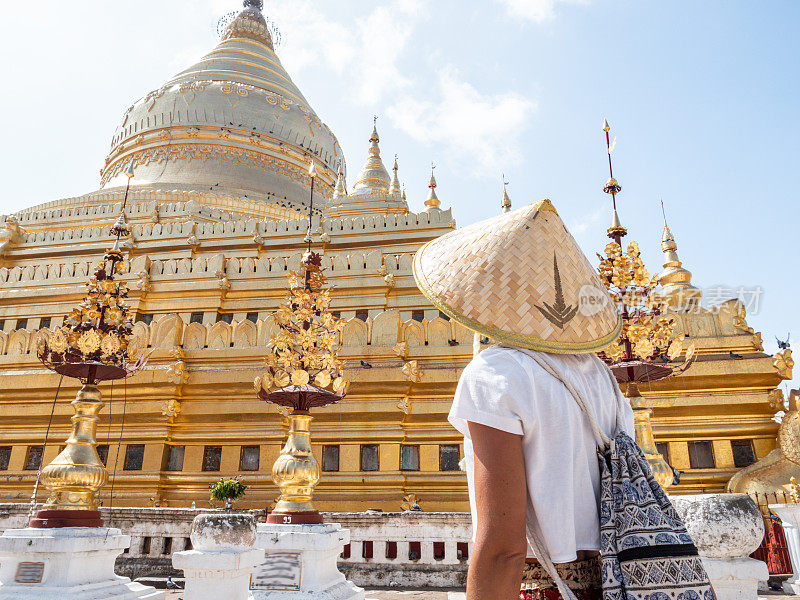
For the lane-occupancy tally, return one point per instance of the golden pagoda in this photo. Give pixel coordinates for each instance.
(216, 212)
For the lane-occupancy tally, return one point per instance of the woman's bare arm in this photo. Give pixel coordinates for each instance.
(495, 570)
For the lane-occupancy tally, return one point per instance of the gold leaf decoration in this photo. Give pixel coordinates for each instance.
(89, 341)
(281, 379)
(300, 377)
(323, 379)
(110, 344)
(306, 346)
(58, 341)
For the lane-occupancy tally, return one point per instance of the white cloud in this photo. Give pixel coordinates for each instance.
(537, 11)
(365, 53)
(579, 227)
(485, 128)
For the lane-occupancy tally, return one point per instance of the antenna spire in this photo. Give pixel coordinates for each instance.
(616, 232)
(506, 203)
(433, 201)
(312, 173)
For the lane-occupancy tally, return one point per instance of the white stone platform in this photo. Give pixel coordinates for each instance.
(790, 519)
(70, 563)
(300, 563)
(727, 529)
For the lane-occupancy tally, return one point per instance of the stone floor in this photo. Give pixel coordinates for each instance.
(391, 595)
(456, 595)
(459, 595)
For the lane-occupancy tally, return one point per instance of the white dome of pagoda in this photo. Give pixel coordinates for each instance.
(232, 124)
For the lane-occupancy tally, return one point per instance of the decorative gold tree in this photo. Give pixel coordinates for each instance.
(91, 346)
(647, 343)
(303, 356)
(647, 334)
(302, 371)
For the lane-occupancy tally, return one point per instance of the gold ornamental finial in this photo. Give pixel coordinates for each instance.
(374, 138)
(373, 178)
(506, 203)
(612, 186)
(394, 187)
(433, 200)
(676, 282)
(340, 190)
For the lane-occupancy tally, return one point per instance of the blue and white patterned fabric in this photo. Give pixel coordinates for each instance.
(646, 552)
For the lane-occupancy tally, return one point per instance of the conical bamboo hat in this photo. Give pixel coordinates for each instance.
(520, 278)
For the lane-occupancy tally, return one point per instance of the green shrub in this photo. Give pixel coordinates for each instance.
(227, 489)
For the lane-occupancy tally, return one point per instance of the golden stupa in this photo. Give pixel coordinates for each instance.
(217, 211)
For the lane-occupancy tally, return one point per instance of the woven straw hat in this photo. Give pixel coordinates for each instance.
(520, 278)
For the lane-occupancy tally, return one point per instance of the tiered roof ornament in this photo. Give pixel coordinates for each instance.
(677, 290)
(506, 203)
(373, 178)
(341, 189)
(433, 200)
(374, 193)
(394, 187)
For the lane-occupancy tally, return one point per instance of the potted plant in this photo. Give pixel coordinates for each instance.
(227, 490)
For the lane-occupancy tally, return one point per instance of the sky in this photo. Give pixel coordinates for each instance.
(701, 98)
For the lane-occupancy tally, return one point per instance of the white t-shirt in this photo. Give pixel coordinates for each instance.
(508, 390)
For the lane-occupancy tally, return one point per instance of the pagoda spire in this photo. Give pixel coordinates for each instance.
(676, 282)
(433, 200)
(394, 187)
(340, 190)
(616, 232)
(506, 203)
(373, 178)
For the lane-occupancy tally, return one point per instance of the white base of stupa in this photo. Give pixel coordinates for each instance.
(70, 563)
(300, 563)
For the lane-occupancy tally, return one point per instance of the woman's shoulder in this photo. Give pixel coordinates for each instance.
(500, 364)
(518, 364)
(500, 358)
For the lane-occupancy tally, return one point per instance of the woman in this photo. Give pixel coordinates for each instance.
(521, 279)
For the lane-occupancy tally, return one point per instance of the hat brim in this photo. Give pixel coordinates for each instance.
(501, 335)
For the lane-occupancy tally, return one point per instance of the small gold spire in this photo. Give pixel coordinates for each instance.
(394, 187)
(616, 226)
(129, 170)
(612, 187)
(676, 282)
(606, 126)
(506, 203)
(373, 178)
(374, 138)
(433, 200)
(340, 190)
(312, 170)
